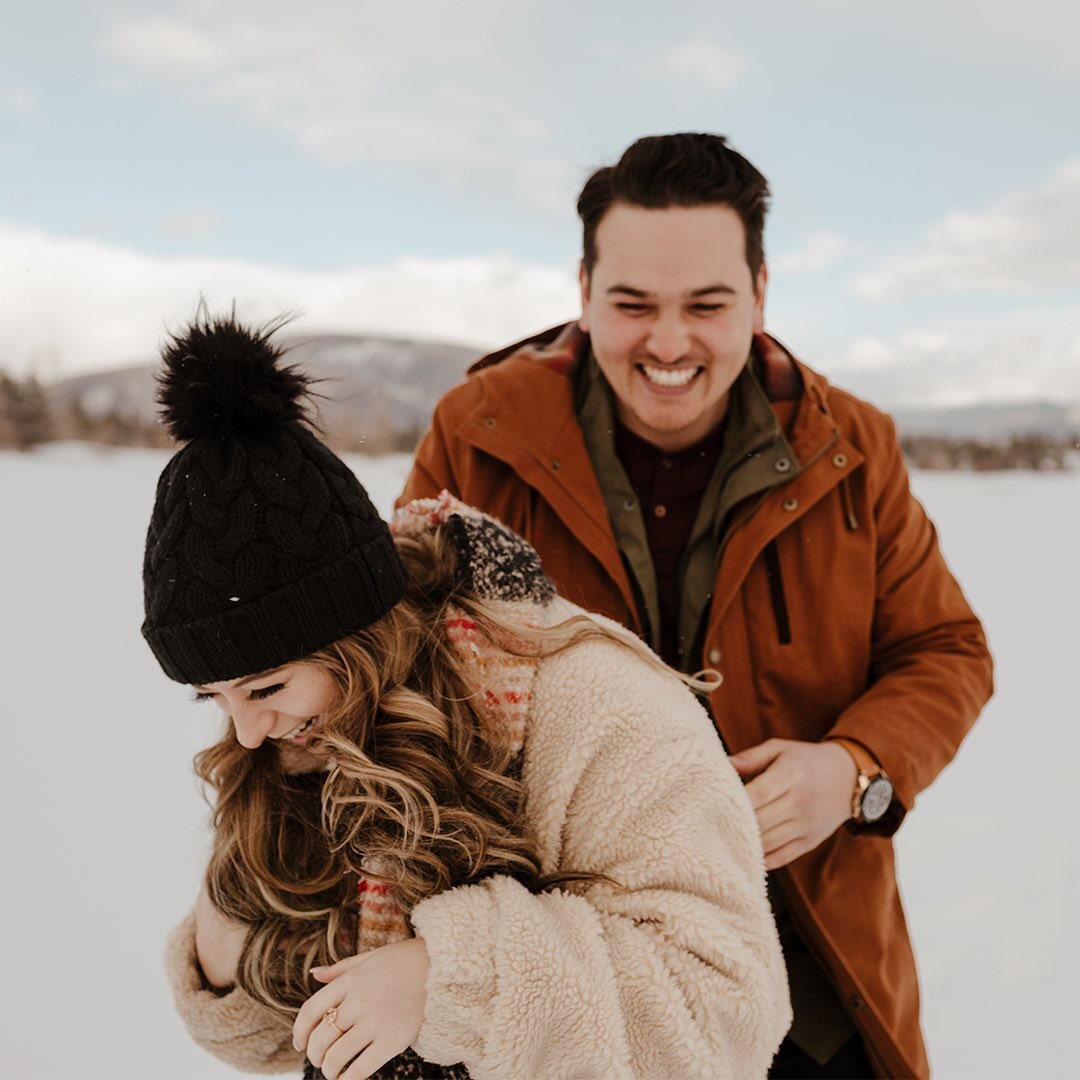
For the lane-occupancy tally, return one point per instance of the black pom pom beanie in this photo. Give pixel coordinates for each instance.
(263, 547)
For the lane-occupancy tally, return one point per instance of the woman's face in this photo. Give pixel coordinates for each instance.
(284, 704)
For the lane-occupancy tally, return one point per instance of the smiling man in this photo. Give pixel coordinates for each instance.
(680, 471)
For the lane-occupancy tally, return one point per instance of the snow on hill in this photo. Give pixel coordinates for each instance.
(370, 384)
(104, 831)
(374, 384)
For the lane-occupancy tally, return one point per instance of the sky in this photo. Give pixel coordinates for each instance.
(411, 169)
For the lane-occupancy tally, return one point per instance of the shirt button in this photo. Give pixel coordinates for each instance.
(489, 422)
(839, 460)
(660, 511)
(714, 656)
(628, 505)
(782, 465)
(556, 465)
(790, 504)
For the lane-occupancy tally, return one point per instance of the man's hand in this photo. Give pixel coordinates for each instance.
(378, 1001)
(800, 791)
(218, 942)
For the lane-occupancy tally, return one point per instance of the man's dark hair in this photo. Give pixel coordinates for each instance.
(687, 169)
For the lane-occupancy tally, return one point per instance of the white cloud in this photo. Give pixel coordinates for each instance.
(1026, 242)
(194, 221)
(69, 305)
(397, 83)
(1033, 354)
(700, 60)
(819, 250)
(167, 45)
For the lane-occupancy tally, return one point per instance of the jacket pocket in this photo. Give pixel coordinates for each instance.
(776, 592)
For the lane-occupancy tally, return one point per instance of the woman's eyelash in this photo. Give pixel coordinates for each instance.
(255, 695)
(265, 691)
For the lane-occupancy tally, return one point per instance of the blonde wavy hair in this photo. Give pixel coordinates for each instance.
(419, 787)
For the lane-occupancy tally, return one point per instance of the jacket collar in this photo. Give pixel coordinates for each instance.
(554, 459)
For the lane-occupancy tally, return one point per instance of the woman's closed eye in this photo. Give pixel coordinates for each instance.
(265, 692)
(254, 695)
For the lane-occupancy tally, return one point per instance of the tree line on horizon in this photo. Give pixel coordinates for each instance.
(30, 418)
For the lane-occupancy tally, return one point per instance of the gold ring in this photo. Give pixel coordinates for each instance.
(329, 1017)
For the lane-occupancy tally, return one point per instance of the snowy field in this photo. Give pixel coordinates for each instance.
(104, 829)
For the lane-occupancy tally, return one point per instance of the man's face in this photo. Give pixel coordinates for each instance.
(671, 307)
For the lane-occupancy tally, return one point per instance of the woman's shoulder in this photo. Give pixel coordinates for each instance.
(610, 682)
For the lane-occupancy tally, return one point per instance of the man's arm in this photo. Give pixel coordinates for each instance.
(931, 674)
(931, 670)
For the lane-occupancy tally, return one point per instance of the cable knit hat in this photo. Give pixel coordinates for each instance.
(263, 547)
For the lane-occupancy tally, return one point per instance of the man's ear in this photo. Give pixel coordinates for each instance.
(583, 282)
(760, 284)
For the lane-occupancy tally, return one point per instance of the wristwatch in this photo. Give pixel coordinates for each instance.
(873, 792)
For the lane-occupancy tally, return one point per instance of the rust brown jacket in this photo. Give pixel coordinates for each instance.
(879, 645)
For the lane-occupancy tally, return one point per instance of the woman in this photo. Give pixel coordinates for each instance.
(461, 827)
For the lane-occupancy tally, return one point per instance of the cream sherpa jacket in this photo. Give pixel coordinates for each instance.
(674, 972)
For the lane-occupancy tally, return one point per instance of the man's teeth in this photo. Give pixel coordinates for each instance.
(667, 377)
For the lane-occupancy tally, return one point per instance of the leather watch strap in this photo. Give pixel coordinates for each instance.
(865, 762)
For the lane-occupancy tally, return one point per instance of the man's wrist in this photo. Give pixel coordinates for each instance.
(873, 791)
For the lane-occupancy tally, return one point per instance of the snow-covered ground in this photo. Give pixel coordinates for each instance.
(103, 829)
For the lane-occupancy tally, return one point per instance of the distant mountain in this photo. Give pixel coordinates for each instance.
(368, 387)
(380, 391)
(992, 423)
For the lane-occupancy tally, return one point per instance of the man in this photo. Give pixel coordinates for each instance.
(680, 471)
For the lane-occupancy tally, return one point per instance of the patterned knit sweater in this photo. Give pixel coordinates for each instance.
(673, 968)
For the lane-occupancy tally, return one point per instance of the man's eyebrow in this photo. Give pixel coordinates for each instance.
(641, 294)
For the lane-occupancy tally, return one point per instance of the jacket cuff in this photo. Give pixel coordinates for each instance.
(891, 820)
(457, 927)
(231, 1025)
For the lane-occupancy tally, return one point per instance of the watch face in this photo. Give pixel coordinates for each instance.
(876, 798)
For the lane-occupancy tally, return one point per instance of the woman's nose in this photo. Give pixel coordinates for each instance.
(252, 725)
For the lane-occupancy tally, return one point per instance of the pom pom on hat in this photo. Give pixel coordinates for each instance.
(222, 379)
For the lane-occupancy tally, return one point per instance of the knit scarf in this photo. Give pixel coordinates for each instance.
(500, 567)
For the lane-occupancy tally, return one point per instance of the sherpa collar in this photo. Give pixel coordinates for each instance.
(502, 568)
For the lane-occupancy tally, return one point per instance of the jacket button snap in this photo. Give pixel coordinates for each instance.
(782, 464)
(839, 460)
(714, 656)
(790, 504)
(660, 510)
(556, 465)
(489, 422)
(857, 1002)
(629, 504)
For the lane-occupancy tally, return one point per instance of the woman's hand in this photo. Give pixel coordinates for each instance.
(218, 942)
(379, 997)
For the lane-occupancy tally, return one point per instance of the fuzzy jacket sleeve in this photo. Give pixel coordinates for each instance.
(676, 970)
(233, 1027)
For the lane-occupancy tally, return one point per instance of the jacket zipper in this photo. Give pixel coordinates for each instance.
(776, 592)
(752, 508)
